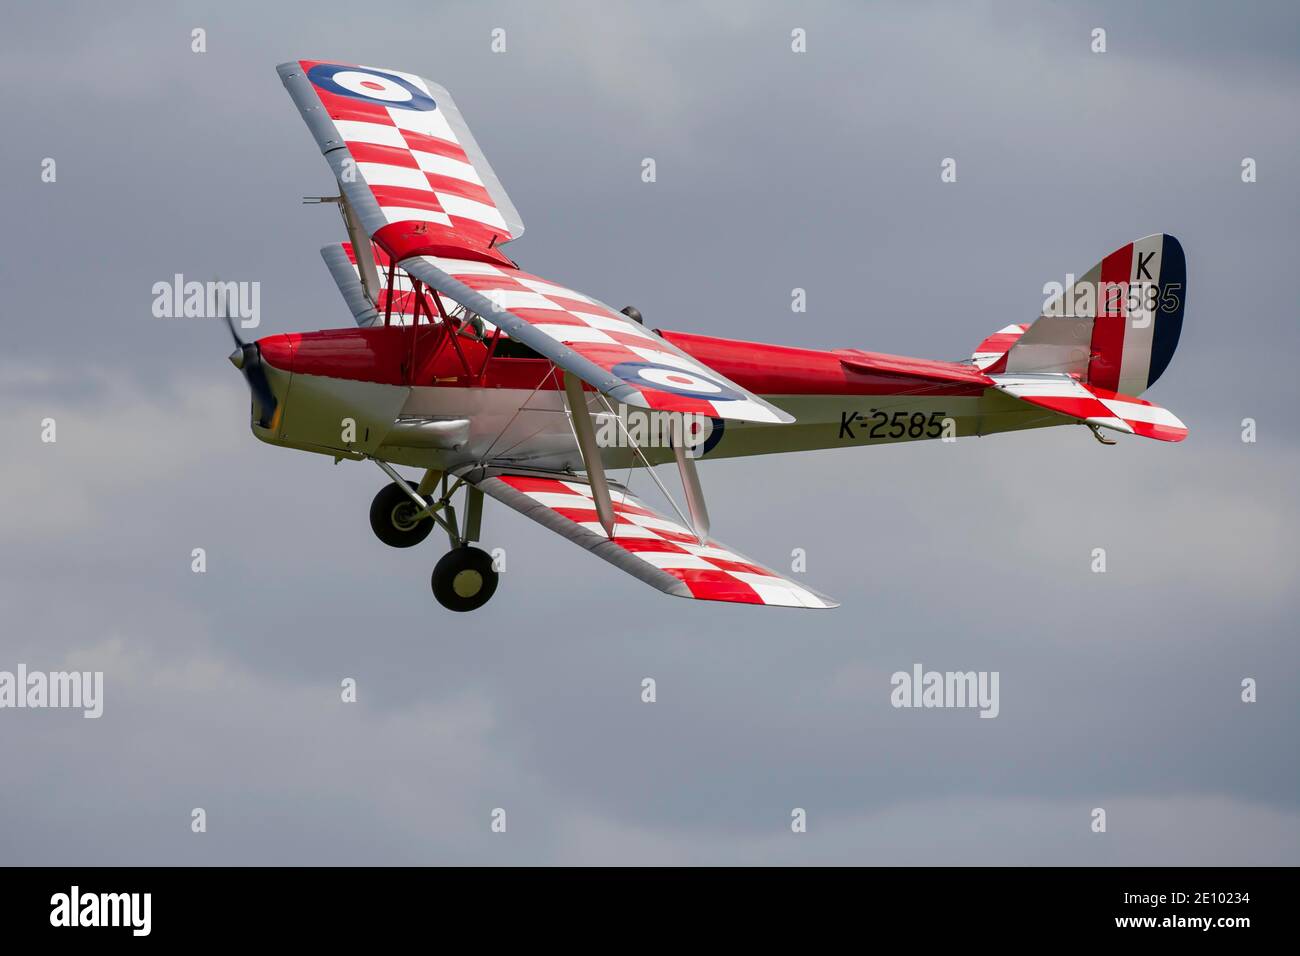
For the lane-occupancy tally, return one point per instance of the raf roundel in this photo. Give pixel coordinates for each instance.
(676, 381)
(370, 86)
(705, 433)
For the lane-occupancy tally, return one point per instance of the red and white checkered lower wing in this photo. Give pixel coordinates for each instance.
(655, 549)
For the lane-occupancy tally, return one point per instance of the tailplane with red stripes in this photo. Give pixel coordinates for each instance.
(1091, 404)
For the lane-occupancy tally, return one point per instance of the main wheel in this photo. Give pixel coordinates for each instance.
(464, 579)
(392, 518)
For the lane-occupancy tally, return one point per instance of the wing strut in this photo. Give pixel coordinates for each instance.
(694, 493)
(586, 435)
(361, 248)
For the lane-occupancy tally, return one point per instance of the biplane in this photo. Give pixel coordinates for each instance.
(499, 384)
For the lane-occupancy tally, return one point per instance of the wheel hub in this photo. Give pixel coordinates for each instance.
(402, 516)
(467, 583)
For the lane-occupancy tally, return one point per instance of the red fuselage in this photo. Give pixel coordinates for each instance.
(391, 356)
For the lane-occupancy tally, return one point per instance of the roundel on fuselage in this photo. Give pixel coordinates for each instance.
(370, 86)
(705, 433)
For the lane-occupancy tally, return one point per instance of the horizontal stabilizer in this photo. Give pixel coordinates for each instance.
(1067, 396)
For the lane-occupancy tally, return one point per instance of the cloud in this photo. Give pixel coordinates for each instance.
(122, 437)
(1140, 832)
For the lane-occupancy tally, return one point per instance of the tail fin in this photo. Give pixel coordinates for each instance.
(991, 355)
(1115, 328)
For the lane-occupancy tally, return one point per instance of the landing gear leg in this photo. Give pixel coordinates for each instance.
(464, 579)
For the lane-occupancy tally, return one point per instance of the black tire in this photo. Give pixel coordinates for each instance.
(390, 518)
(464, 579)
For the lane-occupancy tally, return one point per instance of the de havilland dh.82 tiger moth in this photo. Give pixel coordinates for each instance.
(497, 382)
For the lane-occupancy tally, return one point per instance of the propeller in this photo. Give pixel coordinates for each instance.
(247, 357)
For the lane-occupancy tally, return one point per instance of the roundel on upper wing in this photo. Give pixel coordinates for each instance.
(370, 86)
(676, 381)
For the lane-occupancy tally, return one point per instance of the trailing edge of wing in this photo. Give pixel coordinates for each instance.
(650, 547)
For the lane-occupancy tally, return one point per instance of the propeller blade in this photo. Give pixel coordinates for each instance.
(230, 324)
(263, 397)
(247, 357)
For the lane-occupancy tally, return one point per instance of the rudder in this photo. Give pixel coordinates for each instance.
(1117, 326)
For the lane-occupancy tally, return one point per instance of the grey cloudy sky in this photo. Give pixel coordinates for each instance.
(775, 170)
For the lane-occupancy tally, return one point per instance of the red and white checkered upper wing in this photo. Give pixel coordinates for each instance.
(647, 545)
(402, 153)
(421, 188)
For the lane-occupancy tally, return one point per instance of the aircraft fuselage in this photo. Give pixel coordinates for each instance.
(416, 400)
